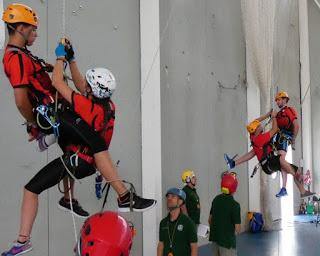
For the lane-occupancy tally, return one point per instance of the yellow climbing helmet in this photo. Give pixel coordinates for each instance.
(282, 94)
(187, 175)
(20, 13)
(252, 127)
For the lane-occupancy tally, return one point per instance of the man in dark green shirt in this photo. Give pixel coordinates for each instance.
(192, 205)
(225, 218)
(177, 232)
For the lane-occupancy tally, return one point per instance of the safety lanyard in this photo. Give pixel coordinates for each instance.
(171, 236)
(44, 65)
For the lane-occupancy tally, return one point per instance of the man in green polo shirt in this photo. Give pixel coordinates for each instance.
(177, 232)
(225, 218)
(192, 205)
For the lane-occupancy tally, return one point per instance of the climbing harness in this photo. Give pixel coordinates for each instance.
(50, 116)
(70, 197)
(73, 164)
(265, 158)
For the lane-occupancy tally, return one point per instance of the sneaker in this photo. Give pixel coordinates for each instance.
(138, 204)
(315, 198)
(230, 162)
(282, 192)
(18, 249)
(307, 194)
(77, 209)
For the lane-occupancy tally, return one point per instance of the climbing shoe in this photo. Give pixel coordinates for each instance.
(307, 194)
(18, 249)
(78, 211)
(132, 202)
(229, 161)
(282, 192)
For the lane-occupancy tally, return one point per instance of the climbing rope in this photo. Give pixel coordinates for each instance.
(63, 18)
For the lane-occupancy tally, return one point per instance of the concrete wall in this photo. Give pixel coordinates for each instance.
(203, 94)
(314, 40)
(105, 33)
(203, 102)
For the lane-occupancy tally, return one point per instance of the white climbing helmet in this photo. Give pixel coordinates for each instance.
(101, 81)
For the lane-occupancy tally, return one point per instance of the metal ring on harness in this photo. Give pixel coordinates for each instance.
(74, 160)
(49, 115)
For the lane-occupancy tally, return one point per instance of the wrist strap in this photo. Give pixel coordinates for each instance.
(62, 58)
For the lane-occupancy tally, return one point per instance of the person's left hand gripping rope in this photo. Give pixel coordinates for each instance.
(60, 51)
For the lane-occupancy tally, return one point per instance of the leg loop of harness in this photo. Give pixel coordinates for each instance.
(66, 167)
(73, 160)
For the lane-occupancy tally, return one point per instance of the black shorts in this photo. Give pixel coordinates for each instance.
(271, 164)
(55, 171)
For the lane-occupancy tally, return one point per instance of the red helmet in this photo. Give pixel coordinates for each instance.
(105, 234)
(229, 183)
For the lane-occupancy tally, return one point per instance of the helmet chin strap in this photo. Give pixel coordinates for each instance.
(173, 208)
(25, 37)
(190, 182)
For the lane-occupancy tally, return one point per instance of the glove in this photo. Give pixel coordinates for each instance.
(69, 50)
(33, 131)
(60, 51)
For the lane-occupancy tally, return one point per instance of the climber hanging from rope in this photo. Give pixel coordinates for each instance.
(33, 88)
(288, 131)
(93, 108)
(28, 75)
(266, 153)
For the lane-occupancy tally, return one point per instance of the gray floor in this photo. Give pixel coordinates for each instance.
(295, 239)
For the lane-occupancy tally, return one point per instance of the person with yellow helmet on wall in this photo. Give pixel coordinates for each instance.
(192, 203)
(288, 131)
(264, 151)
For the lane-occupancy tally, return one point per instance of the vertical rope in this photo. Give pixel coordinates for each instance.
(48, 208)
(69, 184)
(73, 218)
(63, 18)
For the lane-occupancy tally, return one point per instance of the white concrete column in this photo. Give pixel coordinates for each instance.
(150, 120)
(305, 85)
(253, 111)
